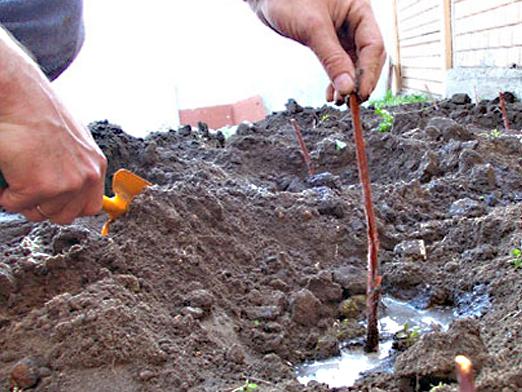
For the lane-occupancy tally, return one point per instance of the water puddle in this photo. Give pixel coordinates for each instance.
(346, 369)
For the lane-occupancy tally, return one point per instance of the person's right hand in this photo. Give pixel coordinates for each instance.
(52, 164)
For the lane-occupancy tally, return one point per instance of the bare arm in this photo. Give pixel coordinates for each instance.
(46, 156)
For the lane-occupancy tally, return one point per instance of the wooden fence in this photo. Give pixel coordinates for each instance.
(433, 36)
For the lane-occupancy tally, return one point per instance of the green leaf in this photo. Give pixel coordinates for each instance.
(340, 145)
(516, 252)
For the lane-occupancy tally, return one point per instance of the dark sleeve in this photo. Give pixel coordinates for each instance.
(51, 30)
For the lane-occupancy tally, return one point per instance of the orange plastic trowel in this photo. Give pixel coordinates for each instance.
(125, 185)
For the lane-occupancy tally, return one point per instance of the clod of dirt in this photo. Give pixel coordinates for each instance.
(431, 360)
(466, 207)
(413, 249)
(25, 374)
(305, 308)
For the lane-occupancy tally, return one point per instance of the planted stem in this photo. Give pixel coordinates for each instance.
(304, 150)
(502, 102)
(374, 279)
(464, 374)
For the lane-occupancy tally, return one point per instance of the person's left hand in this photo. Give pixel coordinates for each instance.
(342, 33)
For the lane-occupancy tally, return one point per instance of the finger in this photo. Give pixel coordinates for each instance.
(324, 42)
(14, 201)
(33, 215)
(93, 199)
(69, 212)
(370, 49)
(330, 93)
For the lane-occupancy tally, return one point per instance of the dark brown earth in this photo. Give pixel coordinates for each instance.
(235, 266)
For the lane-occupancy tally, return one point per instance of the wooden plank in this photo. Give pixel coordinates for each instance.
(421, 39)
(422, 62)
(424, 85)
(429, 16)
(428, 28)
(417, 9)
(447, 36)
(396, 57)
(434, 48)
(429, 74)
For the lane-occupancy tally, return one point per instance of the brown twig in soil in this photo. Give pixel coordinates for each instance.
(304, 150)
(502, 101)
(464, 374)
(374, 279)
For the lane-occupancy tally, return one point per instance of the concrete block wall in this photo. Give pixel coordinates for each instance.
(487, 33)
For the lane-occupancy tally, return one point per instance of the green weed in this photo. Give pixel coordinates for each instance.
(340, 145)
(494, 133)
(395, 100)
(436, 388)
(409, 334)
(387, 119)
(247, 387)
(516, 261)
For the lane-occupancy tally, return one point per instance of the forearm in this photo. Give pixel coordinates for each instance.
(19, 74)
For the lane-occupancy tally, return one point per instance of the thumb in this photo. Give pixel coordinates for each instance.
(335, 60)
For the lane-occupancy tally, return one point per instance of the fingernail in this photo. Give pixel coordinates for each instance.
(343, 84)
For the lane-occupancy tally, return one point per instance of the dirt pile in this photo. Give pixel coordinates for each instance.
(237, 267)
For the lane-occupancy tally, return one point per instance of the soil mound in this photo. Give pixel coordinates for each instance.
(236, 266)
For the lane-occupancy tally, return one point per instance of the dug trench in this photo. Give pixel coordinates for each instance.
(235, 266)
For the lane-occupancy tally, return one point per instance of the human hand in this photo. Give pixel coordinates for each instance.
(52, 164)
(342, 33)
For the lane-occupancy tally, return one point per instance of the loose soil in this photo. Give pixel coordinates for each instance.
(237, 267)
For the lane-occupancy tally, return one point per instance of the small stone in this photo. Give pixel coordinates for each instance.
(278, 284)
(327, 347)
(185, 130)
(269, 313)
(201, 299)
(351, 278)
(307, 215)
(414, 249)
(468, 159)
(460, 99)
(305, 308)
(280, 213)
(448, 128)
(129, 281)
(236, 354)
(25, 373)
(293, 107)
(324, 287)
(483, 177)
(466, 208)
(326, 179)
(146, 375)
(196, 313)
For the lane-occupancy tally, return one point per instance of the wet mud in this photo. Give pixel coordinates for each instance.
(235, 266)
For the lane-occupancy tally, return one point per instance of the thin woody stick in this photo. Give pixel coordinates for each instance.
(374, 279)
(502, 101)
(464, 374)
(304, 150)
